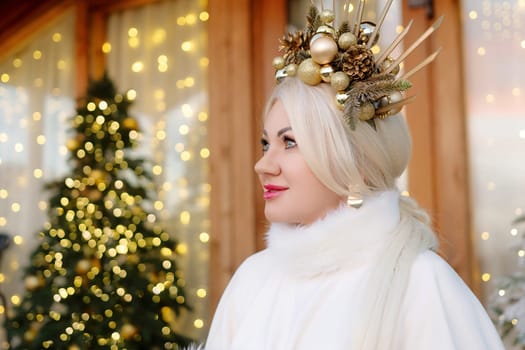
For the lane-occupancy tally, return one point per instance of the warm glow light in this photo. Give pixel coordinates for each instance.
(198, 323)
(485, 236)
(204, 237)
(4, 78)
(191, 19)
(481, 51)
(37, 54)
(19, 147)
(17, 63)
(490, 98)
(473, 15)
(522, 133)
(485, 277)
(106, 47)
(187, 46)
(204, 16)
(137, 66)
(56, 37)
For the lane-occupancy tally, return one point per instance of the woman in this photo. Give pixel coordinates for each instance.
(350, 263)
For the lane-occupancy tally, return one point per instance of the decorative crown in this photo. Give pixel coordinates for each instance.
(367, 85)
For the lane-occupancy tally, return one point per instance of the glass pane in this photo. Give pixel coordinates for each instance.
(494, 52)
(159, 51)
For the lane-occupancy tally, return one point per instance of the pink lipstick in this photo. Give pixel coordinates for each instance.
(272, 191)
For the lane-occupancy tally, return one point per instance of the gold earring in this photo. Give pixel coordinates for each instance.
(354, 201)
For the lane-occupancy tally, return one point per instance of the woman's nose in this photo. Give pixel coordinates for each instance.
(267, 165)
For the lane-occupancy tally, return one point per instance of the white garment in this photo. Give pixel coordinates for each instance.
(307, 290)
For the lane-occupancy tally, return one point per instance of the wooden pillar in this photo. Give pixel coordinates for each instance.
(231, 123)
(438, 173)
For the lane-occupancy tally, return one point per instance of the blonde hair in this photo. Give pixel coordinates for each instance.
(344, 160)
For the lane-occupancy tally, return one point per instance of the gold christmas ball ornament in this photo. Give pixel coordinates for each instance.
(387, 63)
(325, 30)
(128, 330)
(326, 72)
(340, 81)
(130, 124)
(365, 33)
(309, 72)
(392, 98)
(327, 16)
(31, 283)
(278, 62)
(72, 144)
(98, 175)
(366, 111)
(280, 75)
(340, 99)
(323, 48)
(83, 266)
(291, 70)
(346, 40)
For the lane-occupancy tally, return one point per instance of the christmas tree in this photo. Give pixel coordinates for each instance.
(507, 304)
(104, 273)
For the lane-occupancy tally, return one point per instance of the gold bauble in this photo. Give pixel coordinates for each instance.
(366, 111)
(308, 72)
(98, 175)
(327, 16)
(130, 124)
(346, 40)
(291, 70)
(83, 266)
(387, 63)
(326, 72)
(323, 48)
(325, 29)
(280, 74)
(340, 81)
(128, 330)
(392, 98)
(340, 99)
(72, 144)
(31, 283)
(278, 62)
(365, 33)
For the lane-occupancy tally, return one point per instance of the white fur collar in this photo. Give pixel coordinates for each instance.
(344, 238)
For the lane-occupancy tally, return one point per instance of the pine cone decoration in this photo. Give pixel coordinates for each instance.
(294, 46)
(358, 62)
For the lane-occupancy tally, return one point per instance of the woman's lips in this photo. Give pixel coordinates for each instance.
(272, 191)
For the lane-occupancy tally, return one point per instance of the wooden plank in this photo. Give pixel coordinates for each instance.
(230, 137)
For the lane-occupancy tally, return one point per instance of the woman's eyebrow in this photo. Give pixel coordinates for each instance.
(283, 130)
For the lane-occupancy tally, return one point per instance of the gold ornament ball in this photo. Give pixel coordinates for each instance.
(31, 283)
(340, 100)
(327, 16)
(392, 98)
(291, 70)
(366, 111)
(323, 48)
(387, 63)
(308, 72)
(346, 40)
(325, 29)
(278, 62)
(280, 74)
(340, 81)
(72, 144)
(128, 330)
(83, 266)
(326, 72)
(130, 124)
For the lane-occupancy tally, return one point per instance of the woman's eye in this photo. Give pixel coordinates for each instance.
(289, 143)
(265, 145)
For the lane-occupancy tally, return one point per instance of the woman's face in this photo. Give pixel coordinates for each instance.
(291, 191)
